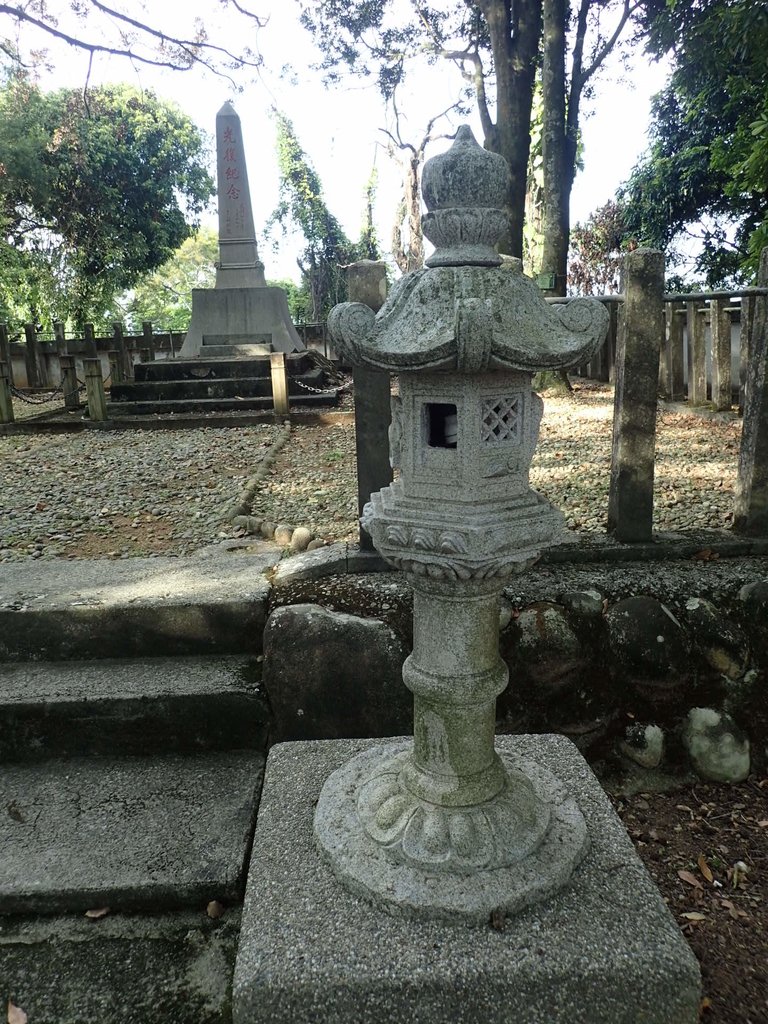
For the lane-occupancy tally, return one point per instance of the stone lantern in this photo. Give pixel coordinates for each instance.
(445, 825)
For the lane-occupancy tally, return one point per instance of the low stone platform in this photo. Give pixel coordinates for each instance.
(603, 951)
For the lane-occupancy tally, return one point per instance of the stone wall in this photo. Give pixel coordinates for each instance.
(653, 670)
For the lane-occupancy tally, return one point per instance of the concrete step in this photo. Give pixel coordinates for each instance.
(142, 706)
(210, 387)
(212, 603)
(161, 833)
(205, 405)
(208, 365)
(171, 968)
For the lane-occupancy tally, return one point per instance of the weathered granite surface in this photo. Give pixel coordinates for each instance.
(604, 951)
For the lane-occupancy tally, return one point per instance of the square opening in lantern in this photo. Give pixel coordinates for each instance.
(442, 425)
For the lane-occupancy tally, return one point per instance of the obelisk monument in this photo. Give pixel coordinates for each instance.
(239, 264)
(241, 315)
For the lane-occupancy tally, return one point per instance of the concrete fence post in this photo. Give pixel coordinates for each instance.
(720, 332)
(673, 385)
(697, 354)
(35, 377)
(367, 283)
(90, 341)
(630, 501)
(746, 323)
(149, 340)
(5, 351)
(751, 500)
(610, 341)
(279, 383)
(6, 399)
(60, 337)
(115, 367)
(123, 355)
(69, 384)
(94, 390)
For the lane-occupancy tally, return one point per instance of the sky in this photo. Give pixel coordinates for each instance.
(339, 127)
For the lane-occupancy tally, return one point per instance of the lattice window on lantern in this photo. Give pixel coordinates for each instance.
(500, 420)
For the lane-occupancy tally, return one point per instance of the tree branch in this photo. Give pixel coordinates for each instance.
(191, 51)
(627, 11)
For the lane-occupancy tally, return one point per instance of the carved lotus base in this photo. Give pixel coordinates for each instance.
(419, 859)
(493, 834)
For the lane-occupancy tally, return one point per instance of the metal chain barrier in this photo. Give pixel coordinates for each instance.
(323, 391)
(37, 399)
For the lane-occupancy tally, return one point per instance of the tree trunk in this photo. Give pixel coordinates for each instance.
(557, 178)
(514, 32)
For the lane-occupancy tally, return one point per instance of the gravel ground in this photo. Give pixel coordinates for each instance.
(124, 493)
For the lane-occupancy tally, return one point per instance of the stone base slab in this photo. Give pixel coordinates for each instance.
(605, 950)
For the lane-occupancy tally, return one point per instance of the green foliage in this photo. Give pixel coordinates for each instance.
(708, 159)
(302, 207)
(165, 295)
(597, 248)
(96, 191)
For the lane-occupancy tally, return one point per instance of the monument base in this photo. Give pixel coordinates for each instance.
(239, 322)
(604, 950)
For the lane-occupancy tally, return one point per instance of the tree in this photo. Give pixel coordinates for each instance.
(97, 192)
(165, 295)
(496, 45)
(302, 206)
(706, 170)
(408, 245)
(98, 28)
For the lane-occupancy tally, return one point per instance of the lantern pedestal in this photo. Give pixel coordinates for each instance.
(603, 950)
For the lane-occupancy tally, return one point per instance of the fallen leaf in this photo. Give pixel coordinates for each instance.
(705, 1004)
(97, 914)
(763, 823)
(15, 1014)
(214, 910)
(694, 915)
(704, 868)
(686, 876)
(705, 555)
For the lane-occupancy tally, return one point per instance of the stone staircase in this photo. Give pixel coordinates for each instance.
(211, 384)
(128, 796)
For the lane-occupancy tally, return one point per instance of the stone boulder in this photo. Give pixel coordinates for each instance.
(754, 601)
(718, 750)
(543, 644)
(721, 643)
(331, 676)
(649, 649)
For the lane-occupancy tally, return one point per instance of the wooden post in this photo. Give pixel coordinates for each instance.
(367, 283)
(751, 502)
(279, 383)
(6, 399)
(674, 381)
(90, 341)
(5, 351)
(149, 340)
(697, 354)
(630, 501)
(746, 322)
(94, 390)
(720, 332)
(69, 384)
(32, 357)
